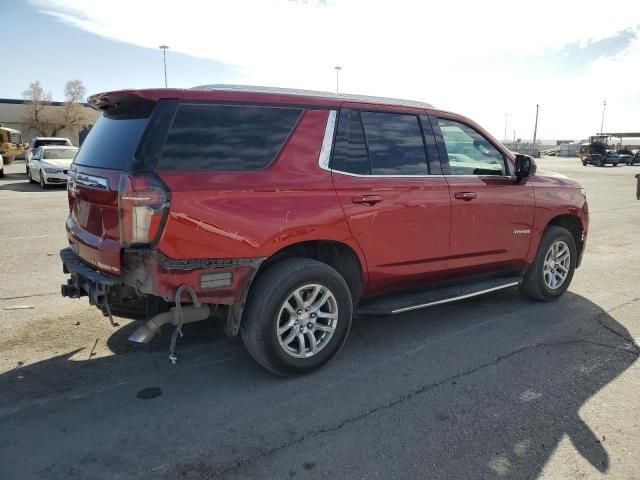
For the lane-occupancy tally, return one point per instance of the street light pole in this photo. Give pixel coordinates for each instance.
(604, 106)
(506, 118)
(337, 68)
(535, 129)
(164, 49)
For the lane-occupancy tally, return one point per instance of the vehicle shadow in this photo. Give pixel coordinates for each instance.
(480, 389)
(17, 182)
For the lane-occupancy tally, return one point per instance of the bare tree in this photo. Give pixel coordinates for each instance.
(74, 115)
(37, 99)
(49, 121)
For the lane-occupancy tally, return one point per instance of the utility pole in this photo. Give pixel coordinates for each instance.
(604, 106)
(164, 49)
(506, 118)
(535, 129)
(337, 68)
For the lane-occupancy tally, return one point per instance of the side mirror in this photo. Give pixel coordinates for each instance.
(525, 166)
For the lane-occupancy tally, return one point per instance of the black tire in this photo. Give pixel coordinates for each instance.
(614, 164)
(266, 297)
(584, 164)
(1, 172)
(533, 285)
(29, 177)
(43, 185)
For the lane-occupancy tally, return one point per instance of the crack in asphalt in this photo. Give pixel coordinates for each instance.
(613, 330)
(410, 395)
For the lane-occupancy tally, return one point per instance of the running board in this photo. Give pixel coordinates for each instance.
(390, 305)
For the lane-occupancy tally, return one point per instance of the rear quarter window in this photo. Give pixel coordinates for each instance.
(226, 137)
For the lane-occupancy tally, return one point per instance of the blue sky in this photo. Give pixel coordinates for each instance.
(53, 52)
(491, 60)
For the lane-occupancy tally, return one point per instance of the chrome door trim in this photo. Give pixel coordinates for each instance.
(327, 141)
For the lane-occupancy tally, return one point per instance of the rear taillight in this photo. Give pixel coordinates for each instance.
(143, 202)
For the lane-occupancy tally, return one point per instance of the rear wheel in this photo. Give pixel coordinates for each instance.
(297, 317)
(551, 272)
(1, 172)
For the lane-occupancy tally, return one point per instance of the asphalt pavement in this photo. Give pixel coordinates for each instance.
(492, 387)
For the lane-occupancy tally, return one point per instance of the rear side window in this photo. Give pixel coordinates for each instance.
(350, 153)
(395, 144)
(379, 143)
(226, 137)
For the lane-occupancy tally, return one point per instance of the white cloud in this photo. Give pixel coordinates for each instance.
(455, 54)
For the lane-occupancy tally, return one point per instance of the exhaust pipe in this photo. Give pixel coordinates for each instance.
(190, 314)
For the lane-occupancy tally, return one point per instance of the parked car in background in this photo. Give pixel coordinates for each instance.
(626, 158)
(286, 212)
(629, 158)
(50, 165)
(37, 142)
(610, 158)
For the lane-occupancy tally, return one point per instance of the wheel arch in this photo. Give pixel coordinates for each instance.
(574, 225)
(338, 255)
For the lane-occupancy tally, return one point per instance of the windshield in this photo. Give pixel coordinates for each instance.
(60, 153)
(40, 143)
(112, 143)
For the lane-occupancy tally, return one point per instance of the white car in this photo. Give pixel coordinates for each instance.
(37, 142)
(50, 164)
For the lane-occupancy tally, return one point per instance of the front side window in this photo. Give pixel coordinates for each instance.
(468, 152)
(226, 137)
(379, 143)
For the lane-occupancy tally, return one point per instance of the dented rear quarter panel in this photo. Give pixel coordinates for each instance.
(257, 213)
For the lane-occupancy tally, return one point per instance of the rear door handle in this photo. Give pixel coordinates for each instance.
(466, 196)
(366, 199)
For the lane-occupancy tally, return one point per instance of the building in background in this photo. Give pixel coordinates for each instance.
(13, 114)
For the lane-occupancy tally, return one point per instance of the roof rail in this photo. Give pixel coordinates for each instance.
(314, 93)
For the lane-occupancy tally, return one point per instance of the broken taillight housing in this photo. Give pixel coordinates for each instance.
(143, 203)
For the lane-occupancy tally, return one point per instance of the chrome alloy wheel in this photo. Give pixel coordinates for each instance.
(556, 264)
(307, 321)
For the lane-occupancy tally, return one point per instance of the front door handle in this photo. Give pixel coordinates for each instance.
(367, 199)
(466, 196)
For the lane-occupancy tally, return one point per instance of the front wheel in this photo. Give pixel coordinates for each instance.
(297, 316)
(43, 184)
(550, 274)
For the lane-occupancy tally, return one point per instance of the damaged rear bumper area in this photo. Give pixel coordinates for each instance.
(147, 274)
(85, 281)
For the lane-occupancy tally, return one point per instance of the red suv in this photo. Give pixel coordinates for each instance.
(287, 212)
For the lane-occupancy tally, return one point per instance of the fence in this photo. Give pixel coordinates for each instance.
(527, 148)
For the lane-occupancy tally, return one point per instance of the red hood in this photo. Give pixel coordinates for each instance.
(554, 178)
